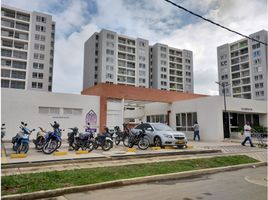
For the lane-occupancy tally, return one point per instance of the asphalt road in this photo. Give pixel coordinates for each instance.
(246, 184)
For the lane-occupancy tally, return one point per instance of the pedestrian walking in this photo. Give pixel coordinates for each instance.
(196, 131)
(247, 134)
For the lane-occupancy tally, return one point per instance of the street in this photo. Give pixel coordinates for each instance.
(246, 184)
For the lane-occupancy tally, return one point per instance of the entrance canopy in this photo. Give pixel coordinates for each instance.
(135, 93)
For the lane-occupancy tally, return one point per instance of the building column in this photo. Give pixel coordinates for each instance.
(103, 113)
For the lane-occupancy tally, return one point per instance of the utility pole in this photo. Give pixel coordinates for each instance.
(224, 85)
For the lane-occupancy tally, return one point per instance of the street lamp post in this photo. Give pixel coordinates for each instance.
(224, 85)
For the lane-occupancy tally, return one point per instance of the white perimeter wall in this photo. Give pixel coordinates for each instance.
(18, 105)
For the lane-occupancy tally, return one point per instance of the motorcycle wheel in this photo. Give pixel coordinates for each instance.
(95, 145)
(107, 145)
(90, 146)
(126, 141)
(59, 144)
(14, 147)
(130, 144)
(50, 146)
(117, 140)
(39, 143)
(23, 148)
(143, 143)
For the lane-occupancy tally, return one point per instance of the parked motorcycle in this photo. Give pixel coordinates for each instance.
(121, 136)
(83, 140)
(53, 140)
(3, 132)
(40, 139)
(139, 138)
(21, 140)
(103, 140)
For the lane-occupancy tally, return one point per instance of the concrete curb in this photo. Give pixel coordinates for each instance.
(124, 182)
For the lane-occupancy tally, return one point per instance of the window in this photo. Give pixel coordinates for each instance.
(21, 55)
(36, 55)
(43, 38)
(187, 61)
(142, 80)
(18, 84)
(19, 65)
(72, 111)
(185, 121)
(5, 73)
(34, 84)
(109, 76)
(142, 73)
(41, 56)
(36, 46)
(110, 36)
(142, 44)
(257, 61)
(157, 118)
(40, 75)
(41, 19)
(163, 62)
(256, 46)
(42, 47)
(34, 75)
(142, 66)
(49, 110)
(37, 37)
(40, 28)
(109, 52)
(18, 74)
(163, 55)
(40, 85)
(164, 49)
(4, 83)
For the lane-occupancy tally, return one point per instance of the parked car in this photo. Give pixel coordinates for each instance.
(163, 135)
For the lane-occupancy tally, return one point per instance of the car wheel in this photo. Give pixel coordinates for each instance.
(157, 141)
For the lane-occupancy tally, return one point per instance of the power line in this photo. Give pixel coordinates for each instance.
(217, 24)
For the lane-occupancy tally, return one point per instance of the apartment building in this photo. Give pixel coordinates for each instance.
(112, 58)
(117, 59)
(27, 50)
(242, 67)
(172, 69)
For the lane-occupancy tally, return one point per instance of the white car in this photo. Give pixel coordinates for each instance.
(162, 135)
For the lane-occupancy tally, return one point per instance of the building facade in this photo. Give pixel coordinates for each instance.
(113, 58)
(242, 67)
(27, 50)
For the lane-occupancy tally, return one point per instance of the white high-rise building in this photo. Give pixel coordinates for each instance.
(172, 69)
(27, 49)
(242, 67)
(113, 58)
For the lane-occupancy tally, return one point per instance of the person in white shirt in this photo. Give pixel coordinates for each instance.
(247, 134)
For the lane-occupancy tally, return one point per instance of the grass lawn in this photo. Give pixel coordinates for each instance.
(57, 179)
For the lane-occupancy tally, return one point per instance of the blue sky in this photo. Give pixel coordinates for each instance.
(155, 20)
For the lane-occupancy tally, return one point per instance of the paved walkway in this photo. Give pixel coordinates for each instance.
(227, 149)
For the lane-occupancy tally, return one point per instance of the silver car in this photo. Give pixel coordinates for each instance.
(162, 135)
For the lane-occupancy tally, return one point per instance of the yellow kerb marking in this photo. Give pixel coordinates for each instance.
(19, 155)
(60, 153)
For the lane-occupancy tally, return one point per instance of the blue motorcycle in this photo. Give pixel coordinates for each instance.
(52, 141)
(21, 140)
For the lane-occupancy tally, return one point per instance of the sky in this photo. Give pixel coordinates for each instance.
(155, 20)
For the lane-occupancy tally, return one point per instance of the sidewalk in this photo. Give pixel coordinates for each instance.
(226, 149)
